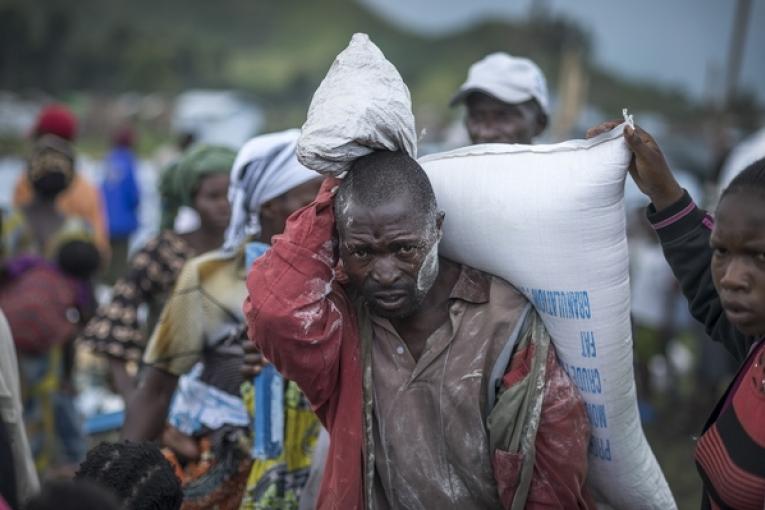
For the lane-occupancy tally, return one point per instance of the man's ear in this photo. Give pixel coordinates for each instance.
(268, 209)
(440, 221)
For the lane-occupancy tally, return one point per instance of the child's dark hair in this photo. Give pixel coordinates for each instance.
(751, 179)
(137, 473)
(73, 495)
(78, 258)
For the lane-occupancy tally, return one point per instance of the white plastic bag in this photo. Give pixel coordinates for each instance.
(362, 105)
(550, 220)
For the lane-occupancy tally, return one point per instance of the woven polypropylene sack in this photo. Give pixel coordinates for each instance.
(550, 220)
(362, 105)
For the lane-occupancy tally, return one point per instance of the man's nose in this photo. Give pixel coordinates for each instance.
(386, 271)
(736, 275)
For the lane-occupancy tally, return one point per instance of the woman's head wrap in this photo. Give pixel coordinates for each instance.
(51, 154)
(180, 180)
(56, 119)
(265, 168)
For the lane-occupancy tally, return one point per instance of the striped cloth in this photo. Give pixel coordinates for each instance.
(730, 452)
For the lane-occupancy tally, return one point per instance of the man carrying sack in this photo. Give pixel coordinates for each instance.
(437, 382)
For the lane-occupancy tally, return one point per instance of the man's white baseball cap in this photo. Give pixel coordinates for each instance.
(510, 79)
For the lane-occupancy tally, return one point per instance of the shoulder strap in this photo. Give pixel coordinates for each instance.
(513, 421)
(500, 365)
(368, 444)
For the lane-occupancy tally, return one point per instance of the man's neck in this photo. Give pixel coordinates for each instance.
(434, 311)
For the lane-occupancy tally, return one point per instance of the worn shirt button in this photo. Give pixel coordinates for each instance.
(400, 349)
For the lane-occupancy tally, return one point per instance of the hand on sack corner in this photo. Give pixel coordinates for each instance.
(648, 167)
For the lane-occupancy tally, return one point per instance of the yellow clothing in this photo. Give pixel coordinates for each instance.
(277, 484)
(203, 311)
(17, 238)
(80, 199)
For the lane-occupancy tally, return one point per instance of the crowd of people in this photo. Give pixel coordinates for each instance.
(377, 336)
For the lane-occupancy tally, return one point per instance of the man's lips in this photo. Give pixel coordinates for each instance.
(389, 300)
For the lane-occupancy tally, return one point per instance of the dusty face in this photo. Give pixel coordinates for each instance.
(211, 201)
(390, 256)
(492, 121)
(738, 262)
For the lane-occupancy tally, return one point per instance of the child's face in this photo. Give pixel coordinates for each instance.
(738, 262)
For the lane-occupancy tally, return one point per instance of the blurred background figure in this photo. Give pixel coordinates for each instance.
(31, 228)
(654, 301)
(742, 155)
(18, 478)
(45, 291)
(80, 197)
(199, 180)
(170, 152)
(121, 198)
(506, 100)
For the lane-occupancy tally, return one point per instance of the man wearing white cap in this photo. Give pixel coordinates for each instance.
(506, 100)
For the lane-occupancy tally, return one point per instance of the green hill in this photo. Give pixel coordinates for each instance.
(276, 50)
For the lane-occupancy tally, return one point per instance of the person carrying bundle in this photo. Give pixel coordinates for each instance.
(412, 339)
(431, 376)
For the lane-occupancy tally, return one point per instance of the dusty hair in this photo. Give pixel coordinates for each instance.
(383, 176)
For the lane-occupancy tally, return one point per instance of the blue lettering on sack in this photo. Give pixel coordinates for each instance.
(597, 415)
(587, 339)
(586, 379)
(564, 304)
(600, 448)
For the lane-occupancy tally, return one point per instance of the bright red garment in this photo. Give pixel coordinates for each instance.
(312, 340)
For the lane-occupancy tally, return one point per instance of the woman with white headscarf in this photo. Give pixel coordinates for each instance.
(203, 322)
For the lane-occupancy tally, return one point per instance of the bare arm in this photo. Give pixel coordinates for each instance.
(123, 382)
(148, 406)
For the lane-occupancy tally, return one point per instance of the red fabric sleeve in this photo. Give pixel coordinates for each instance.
(295, 310)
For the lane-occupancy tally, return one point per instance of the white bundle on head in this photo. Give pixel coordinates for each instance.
(361, 106)
(265, 168)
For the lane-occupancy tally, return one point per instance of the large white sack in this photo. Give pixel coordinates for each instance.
(362, 105)
(550, 220)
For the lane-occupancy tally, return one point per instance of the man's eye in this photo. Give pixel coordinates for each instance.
(406, 249)
(719, 252)
(760, 257)
(360, 254)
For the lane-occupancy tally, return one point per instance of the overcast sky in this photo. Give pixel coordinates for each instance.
(672, 41)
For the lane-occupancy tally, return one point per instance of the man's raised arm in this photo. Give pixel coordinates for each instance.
(295, 311)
